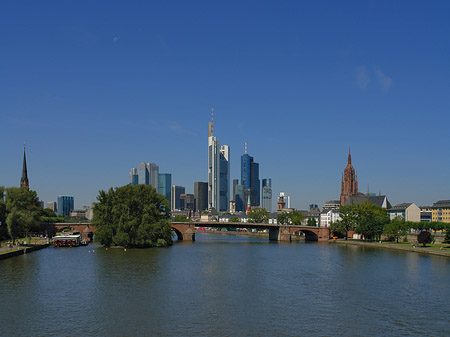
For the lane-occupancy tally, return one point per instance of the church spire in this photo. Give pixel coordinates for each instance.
(24, 180)
(349, 156)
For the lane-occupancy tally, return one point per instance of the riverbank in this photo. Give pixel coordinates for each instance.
(395, 246)
(12, 252)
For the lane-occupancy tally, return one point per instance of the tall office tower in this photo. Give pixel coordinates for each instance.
(148, 174)
(187, 202)
(24, 180)
(134, 176)
(218, 171)
(201, 196)
(250, 178)
(177, 191)
(164, 185)
(153, 173)
(267, 194)
(224, 191)
(239, 197)
(235, 183)
(143, 176)
(65, 204)
(52, 205)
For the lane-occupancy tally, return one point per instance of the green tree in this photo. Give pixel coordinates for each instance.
(424, 237)
(395, 228)
(132, 216)
(180, 218)
(234, 219)
(258, 215)
(293, 217)
(311, 222)
(3, 214)
(371, 220)
(447, 234)
(22, 211)
(366, 219)
(349, 220)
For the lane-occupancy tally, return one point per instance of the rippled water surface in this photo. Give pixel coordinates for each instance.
(225, 285)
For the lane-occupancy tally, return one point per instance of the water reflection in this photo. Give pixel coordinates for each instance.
(224, 285)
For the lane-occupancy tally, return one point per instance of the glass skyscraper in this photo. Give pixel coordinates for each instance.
(250, 179)
(164, 185)
(147, 174)
(218, 173)
(65, 204)
(134, 176)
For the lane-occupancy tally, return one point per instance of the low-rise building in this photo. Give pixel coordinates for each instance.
(407, 211)
(426, 213)
(441, 211)
(329, 216)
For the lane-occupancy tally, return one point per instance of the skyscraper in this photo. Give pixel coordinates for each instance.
(250, 178)
(177, 191)
(239, 198)
(267, 194)
(218, 171)
(52, 205)
(224, 190)
(65, 204)
(143, 175)
(164, 185)
(201, 196)
(134, 176)
(147, 174)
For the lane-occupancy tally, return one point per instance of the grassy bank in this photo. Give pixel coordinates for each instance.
(431, 249)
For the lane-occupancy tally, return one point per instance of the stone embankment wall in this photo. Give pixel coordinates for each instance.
(438, 237)
(22, 251)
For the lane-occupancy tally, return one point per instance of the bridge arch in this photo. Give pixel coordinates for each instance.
(310, 235)
(177, 233)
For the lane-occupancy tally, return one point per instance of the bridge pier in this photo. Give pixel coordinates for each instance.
(280, 234)
(184, 231)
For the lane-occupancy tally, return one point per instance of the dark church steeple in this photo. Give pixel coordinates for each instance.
(24, 180)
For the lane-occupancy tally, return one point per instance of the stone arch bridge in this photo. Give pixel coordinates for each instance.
(186, 230)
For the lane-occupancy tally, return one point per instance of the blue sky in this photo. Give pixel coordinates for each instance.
(95, 87)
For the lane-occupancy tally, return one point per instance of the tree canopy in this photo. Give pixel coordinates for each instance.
(366, 219)
(132, 216)
(258, 215)
(311, 222)
(20, 210)
(395, 228)
(293, 217)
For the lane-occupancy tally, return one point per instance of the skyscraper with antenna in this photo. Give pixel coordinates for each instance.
(218, 171)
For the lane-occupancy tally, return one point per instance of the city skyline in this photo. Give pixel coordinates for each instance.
(300, 82)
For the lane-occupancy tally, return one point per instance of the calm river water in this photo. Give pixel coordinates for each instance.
(225, 285)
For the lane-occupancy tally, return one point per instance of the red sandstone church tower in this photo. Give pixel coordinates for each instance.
(349, 182)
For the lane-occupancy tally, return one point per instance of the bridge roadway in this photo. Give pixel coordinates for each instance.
(186, 230)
